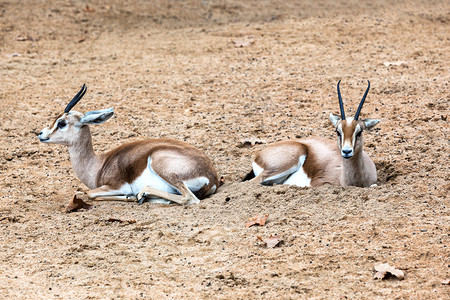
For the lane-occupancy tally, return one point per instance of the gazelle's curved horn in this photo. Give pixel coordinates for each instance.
(75, 99)
(341, 105)
(362, 102)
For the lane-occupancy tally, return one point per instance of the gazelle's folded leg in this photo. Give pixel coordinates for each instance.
(186, 197)
(148, 192)
(106, 193)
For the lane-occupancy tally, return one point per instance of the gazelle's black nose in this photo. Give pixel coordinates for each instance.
(347, 152)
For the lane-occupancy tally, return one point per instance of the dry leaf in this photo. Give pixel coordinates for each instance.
(261, 221)
(446, 282)
(385, 270)
(87, 8)
(243, 42)
(272, 241)
(77, 203)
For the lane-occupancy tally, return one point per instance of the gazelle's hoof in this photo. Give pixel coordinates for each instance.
(80, 195)
(141, 198)
(191, 201)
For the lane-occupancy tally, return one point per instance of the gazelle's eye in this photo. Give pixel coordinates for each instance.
(338, 133)
(61, 124)
(358, 134)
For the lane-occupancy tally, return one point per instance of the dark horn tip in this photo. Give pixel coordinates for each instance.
(341, 105)
(76, 99)
(358, 111)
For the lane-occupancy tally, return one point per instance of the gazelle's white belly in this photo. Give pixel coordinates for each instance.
(151, 179)
(299, 178)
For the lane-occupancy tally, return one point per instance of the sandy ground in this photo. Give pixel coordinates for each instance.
(172, 69)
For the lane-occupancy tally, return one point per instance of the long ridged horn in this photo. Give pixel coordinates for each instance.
(341, 105)
(362, 102)
(75, 99)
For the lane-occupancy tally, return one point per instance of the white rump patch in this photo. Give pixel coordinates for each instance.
(211, 191)
(299, 178)
(257, 169)
(196, 184)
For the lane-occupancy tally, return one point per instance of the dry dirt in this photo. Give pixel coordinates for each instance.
(171, 69)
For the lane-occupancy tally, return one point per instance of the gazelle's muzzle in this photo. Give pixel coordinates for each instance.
(44, 135)
(346, 153)
(347, 149)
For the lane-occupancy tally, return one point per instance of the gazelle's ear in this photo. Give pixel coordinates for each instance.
(96, 116)
(369, 123)
(335, 119)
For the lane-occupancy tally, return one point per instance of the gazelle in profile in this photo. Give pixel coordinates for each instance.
(155, 168)
(317, 161)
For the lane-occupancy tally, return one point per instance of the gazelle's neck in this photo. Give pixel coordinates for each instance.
(354, 170)
(85, 162)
